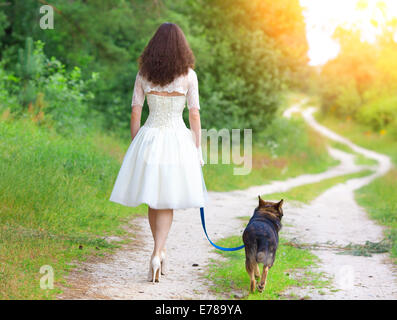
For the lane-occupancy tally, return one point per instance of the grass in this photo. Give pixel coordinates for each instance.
(289, 148)
(53, 200)
(230, 277)
(379, 198)
(308, 192)
(359, 158)
(368, 248)
(291, 269)
(362, 135)
(54, 192)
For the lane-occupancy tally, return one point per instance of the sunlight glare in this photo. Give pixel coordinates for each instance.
(323, 16)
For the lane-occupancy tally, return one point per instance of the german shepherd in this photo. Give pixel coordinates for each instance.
(261, 240)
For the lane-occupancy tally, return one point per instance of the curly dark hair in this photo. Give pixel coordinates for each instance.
(166, 56)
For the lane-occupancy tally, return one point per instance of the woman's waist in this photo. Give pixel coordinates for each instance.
(165, 121)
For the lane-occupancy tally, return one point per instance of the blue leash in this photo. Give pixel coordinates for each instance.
(205, 231)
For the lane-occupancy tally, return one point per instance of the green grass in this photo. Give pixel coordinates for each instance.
(362, 135)
(231, 279)
(359, 158)
(291, 150)
(379, 198)
(54, 195)
(308, 192)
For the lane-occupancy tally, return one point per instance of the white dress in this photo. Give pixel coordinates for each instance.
(161, 166)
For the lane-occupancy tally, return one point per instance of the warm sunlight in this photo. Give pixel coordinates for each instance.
(323, 16)
(174, 152)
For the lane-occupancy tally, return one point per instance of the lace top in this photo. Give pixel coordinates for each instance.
(184, 84)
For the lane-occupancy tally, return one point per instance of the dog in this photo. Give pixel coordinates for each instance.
(261, 240)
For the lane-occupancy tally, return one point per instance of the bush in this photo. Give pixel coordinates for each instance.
(286, 137)
(379, 113)
(7, 101)
(42, 89)
(247, 52)
(360, 83)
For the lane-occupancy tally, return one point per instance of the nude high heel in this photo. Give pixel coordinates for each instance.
(155, 269)
(163, 260)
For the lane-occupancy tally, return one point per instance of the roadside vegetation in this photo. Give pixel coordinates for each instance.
(379, 197)
(291, 269)
(294, 265)
(56, 210)
(54, 204)
(59, 161)
(65, 114)
(309, 192)
(359, 158)
(58, 165)
(357, 94)
(286, 148)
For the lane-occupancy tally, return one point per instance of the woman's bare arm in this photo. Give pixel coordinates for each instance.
(136, 114)
(195, 125)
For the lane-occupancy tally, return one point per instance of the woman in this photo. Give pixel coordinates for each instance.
(162, 166)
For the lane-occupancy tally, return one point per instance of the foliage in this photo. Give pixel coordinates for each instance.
(379, 113)
(247, 52)
(360, 83)
(378, 197)
(309, 192)
(287, 148)
(7, 100)
(51, 95)
(246, 66)
(54, 199)
(368, 248)
(3, 24)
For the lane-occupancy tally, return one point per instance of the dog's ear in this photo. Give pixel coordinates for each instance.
(279, 205)
(261, 202)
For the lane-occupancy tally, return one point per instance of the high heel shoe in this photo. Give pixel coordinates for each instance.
(155, 269)
(163, 260)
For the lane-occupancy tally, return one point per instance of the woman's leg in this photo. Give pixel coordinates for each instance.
(160, 221)
(152, 220)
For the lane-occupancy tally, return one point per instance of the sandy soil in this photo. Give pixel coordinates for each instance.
(333, 217)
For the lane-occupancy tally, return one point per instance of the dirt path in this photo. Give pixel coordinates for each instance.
(334, 216)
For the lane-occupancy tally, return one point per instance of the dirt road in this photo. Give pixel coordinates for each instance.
(332, 217)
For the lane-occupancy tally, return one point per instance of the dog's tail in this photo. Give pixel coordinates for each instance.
(262, 250)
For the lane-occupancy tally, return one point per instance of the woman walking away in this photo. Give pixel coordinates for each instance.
(162, 166)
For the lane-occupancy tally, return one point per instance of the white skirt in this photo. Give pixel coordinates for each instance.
(161, 168)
